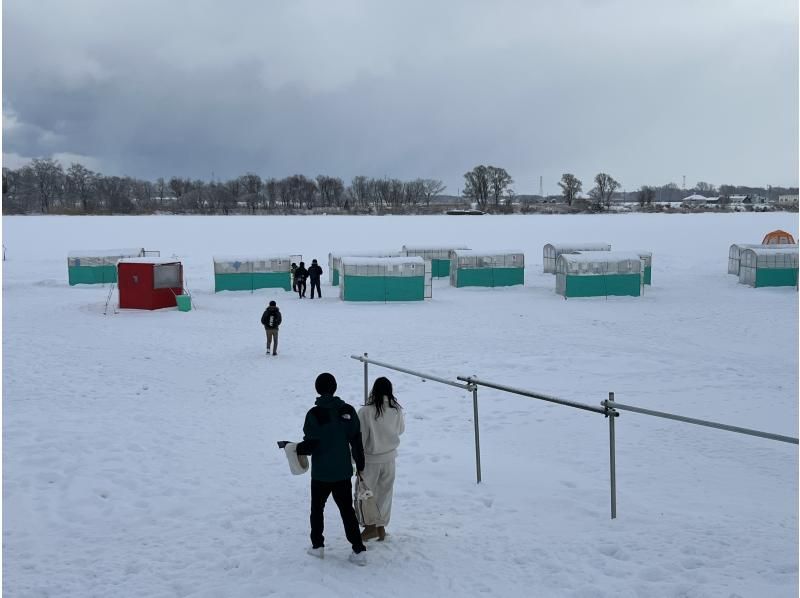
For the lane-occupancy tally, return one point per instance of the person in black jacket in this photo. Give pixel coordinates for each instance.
(300, 276)
(271, 320)
(314, 272)
(331, 434)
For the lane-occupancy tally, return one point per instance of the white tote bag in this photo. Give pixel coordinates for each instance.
(366, 508)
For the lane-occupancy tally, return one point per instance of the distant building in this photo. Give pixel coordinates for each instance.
(699, 200)
(787, 200)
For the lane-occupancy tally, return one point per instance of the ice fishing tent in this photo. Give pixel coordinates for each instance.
(439, 256)
(97, 266)
(149, 283)
(761, 267)
(551, 252)
(243, 273)
(647, 266)
(778, 237)
(471, 268)
(335, 261)
(599, 274)
(735, 253)
(384, 279)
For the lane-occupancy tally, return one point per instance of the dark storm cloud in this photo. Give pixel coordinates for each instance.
(646, 91)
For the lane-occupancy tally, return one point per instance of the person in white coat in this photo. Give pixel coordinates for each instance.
(382, 423)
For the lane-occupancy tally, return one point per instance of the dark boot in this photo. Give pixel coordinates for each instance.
(369, 533)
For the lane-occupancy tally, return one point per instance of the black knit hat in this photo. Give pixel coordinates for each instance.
(272, 304)
(325, 384)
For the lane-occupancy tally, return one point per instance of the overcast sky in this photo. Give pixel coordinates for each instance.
(646, 91)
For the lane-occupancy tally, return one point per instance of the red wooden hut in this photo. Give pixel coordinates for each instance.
(149, 283)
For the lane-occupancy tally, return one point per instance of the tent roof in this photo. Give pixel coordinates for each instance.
(581, 246)
(487, 252)
(105, 252)
(381, 261)
(149, 260)
(600, 256)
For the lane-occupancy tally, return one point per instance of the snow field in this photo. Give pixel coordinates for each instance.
(139, 448)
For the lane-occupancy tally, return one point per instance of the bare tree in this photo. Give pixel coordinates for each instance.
(359, 191)
(476, 185)
(604, 187)
(80, 187)
(570, 187)
(703, 187)
(331, 190)
(432, 188)
(499, 181)
(645, 195)
(48, 176)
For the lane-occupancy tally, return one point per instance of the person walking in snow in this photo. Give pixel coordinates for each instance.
(331, 435)
(382, 423)
(293, 269)
(271, 320)
(314, 273)
(300, 276)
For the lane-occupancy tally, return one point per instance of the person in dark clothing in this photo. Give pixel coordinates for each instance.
(314, 272)
(331, 434)
(271, 320)
(293, 269)
(300, 276)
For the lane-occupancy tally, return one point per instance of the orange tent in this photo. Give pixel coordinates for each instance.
(778, 237)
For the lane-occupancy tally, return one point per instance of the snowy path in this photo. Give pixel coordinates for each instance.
(139, 453)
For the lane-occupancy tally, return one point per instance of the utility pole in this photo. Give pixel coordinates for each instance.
(541, 191)
(684, 182)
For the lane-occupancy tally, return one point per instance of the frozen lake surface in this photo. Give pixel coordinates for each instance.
(139, 448)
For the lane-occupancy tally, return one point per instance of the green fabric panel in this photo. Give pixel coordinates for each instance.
(490, 277)
(247, 281)
(508, 277)
(405, 288)
(384, 288)
(272, 280)
(776, 277)
(440, 268)
(647, 274)
(603, 286)
(335, 278)
(92, 274)
(474, 277)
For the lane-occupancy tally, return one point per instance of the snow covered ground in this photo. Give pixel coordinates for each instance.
(139, 452)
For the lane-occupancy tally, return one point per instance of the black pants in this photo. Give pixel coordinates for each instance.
(343, 496)
(301, 287)
(315, 283)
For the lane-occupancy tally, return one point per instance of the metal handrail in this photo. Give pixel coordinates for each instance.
(611, 404)
(422, 375)
(535, 395)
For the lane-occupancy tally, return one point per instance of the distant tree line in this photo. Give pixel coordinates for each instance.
(45, 187)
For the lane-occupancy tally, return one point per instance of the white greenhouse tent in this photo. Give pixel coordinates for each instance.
(551, 251)
(735, 252)
(599, 274)
(385, 279)
(335, 261)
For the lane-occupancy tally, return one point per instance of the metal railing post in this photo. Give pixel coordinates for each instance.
(366, 379)
(477, 432)
(612, 446)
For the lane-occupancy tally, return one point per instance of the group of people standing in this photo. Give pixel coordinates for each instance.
(300, 274)
(335, 436)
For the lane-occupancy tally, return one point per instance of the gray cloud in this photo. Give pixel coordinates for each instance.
(646, 91)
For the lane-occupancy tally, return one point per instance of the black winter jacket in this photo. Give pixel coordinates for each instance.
(300, 274)
(331, 434)
(271, 318)
(314, 272)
